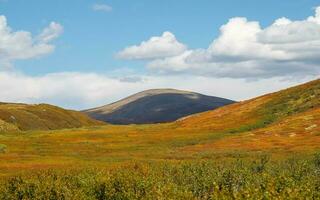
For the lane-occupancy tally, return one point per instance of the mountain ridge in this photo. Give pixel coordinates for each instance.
(136, 96)
(156, 103)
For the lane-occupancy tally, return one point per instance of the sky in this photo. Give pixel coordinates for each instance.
(84, 53)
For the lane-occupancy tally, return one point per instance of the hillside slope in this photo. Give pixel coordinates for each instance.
(40, 117)
(296, 133)
(258, 112)
(155, 106)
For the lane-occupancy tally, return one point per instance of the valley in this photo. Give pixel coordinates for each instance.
(227, 150)
(282, 123)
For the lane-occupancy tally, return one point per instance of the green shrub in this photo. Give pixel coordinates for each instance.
(3, 148)
(260, 179)
(317, 159)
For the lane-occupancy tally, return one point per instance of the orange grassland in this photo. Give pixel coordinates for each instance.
(282, 123)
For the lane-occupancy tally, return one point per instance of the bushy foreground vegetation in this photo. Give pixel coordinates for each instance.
(259, 179)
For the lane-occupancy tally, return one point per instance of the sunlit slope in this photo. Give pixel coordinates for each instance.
(259, 112)
(297, 133)
(40, 117)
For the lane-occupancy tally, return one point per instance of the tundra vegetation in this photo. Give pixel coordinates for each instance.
(293, 178)
(263, 148)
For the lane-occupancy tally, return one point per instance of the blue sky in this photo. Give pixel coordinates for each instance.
(92, 39)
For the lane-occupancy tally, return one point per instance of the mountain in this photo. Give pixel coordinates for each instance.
(258, 112)
(156, 106)
(15, 117)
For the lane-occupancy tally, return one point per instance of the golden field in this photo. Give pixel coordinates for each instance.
(281, 123)
(240, 138)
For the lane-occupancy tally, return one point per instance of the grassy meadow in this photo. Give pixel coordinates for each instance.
(264, 148)
(161, 161)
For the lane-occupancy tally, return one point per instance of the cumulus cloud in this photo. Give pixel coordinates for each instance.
(84, 90)
(162, 46)
(244, 50)
(101, 7)
(21, 45)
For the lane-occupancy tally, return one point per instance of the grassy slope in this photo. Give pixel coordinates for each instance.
(259, 112)
(283, 123)
(40, 117)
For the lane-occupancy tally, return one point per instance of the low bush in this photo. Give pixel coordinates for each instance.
(260, 179)
(3, 148)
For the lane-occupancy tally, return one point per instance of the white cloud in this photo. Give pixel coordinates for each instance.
(85, 90)
(244, 50)
(50, 33)
(131, 79)
(21, 45)
(156, 47)
(101, 7)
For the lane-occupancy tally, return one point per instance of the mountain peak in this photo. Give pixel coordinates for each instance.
(155, 106)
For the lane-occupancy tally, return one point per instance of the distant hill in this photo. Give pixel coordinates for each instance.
(156, 106)
(14, 117)
(259, 112)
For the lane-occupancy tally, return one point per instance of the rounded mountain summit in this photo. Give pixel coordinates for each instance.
(156, 106)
